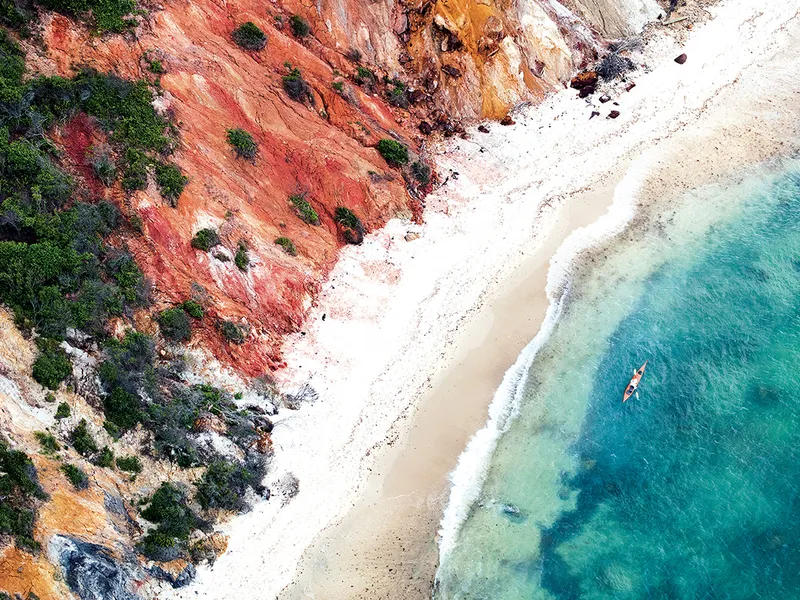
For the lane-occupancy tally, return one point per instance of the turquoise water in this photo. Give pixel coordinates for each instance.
(692, 489)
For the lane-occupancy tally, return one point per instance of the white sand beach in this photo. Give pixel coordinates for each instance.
(410, 339)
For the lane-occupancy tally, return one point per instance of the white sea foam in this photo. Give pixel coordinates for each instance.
(468, 477)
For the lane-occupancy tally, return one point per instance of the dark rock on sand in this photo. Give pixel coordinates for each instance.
(613, 114)
(483, 129)
(507, 120)
(630, 86)
(681, 59)
(605, 98)
(583, 80)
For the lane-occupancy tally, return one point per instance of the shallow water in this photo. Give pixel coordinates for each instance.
(689, 490)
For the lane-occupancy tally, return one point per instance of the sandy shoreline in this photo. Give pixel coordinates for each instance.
(403, 321)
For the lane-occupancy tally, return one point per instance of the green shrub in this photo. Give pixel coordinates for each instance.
(169, 510)
(193, 308)
(353, 230)
(122, 409)
(224, 485)
(47, 442)
(52, 366)
(131, 464)
(175, 325)
(396, 93)
(249, 36)
(287, 245)
(134, 174)
(296, 87)
(338, 87)
(205, 239)
(364, 76)
(76, 476)
(242, 143)
(421, 172)
(107, 15)
(19, 490)
(300, 27)
(170, 181)
(105, 458)
(231, 331)
(63, 411)
(156, 67)
(104, 169)
(242, 259)
(82, 440)
(393, 152)
(304, 209)
(50, 397)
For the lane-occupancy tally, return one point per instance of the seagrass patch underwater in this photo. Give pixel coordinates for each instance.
(690, 489)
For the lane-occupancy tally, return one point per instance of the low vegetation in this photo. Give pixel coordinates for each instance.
(421, 172)
(231, 331)
(304, 209)
(102, 15)
(170, 181)
(364, 76)
(63, 411)
(52, 365)
(287, 245)
(249, 36)
(175, 325)
(393, 152)
(21, 494)
(129, 464)
(48, 442)
(296, 87)
(205, 239)
(105, 458)
(168, 509)
(76, 476)
(82, 440)
(300, 27)
(396, 93)
(352, 228)
(243, 144)
(242, 258)
(194, 309)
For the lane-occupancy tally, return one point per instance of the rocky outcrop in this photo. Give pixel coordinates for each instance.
(91, 571)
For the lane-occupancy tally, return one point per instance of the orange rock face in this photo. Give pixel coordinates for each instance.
(323, 151)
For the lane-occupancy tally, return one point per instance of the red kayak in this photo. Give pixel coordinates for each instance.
(637, 377)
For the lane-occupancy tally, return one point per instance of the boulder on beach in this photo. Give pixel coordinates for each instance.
(681, 59)
(584, 80)
(613, 114)
(507, 120)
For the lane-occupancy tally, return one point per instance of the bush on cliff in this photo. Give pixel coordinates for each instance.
(421, 172)
(52, 366)
(304, 209)
(300, 27)
(287, 245)
(194, 309)
(20, 492)
(170, 182)
(352, 228)
(231, 331)
(82, 440)
(105, 15)
(175, 325)
(242, 259)
(393, 152)
(396, 93)
(249, 36)
(296, 87)
(243, 144)
(224, 485)
(175, 520)
(63, 411)
(205, 239)
(76, 476)
(130, 464)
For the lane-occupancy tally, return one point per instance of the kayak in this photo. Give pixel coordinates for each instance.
(637, 377)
